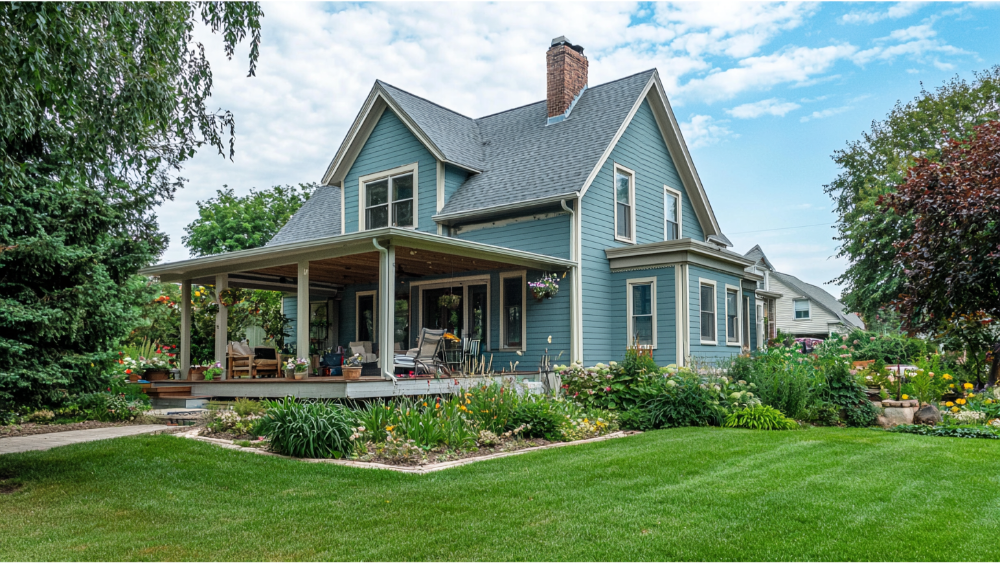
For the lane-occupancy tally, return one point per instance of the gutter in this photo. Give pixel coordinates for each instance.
(383, 297)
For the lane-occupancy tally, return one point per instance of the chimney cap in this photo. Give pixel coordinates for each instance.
(561, 40)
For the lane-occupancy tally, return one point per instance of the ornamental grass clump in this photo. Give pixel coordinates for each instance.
(312, 429)
(759, 417)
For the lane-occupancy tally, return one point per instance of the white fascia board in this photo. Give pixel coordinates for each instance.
(494, 210)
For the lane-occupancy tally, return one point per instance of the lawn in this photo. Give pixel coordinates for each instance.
(683, 494)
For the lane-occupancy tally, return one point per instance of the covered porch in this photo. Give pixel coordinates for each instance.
(362, 277)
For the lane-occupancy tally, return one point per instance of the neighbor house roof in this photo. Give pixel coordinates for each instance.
(757, 255)
(319, 217)
(820, 297)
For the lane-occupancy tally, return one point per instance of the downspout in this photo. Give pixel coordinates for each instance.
(383, 295)
(576, 335)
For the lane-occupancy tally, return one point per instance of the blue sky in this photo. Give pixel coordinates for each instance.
(765, 92)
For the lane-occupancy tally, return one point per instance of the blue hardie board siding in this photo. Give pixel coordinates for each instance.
(453, 179)
(616, 325)
(721, 349)
(389, 146)
(549, 236)
(641, 149)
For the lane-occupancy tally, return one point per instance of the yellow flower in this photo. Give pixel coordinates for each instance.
(905, 397)
(389, 428)
(967, 386)
(972, 395)
(954, 409)
(952, 386)
(960, 401)
(988, 401)
(946, 376)
(949, 404)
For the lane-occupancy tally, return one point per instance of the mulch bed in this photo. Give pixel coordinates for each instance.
(32, 428)
(226, 435)
(442, 454)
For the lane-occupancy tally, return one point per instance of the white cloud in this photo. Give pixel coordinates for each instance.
(770, 106)
(703, 130)
(823, 114)
(897, 11)
(914, 41)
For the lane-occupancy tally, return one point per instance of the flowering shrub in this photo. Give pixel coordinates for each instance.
(615, 386)
(298, 365)
(213, 372)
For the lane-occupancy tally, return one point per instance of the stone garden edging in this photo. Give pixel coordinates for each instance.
(413, 469)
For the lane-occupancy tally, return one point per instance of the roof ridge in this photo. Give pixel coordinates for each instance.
(588, 88)
(424, 99)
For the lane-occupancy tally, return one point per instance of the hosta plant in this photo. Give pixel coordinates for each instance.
(759, 417)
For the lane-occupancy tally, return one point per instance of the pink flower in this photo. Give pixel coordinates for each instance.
(872, 338)
(843, 347)
(607, 389)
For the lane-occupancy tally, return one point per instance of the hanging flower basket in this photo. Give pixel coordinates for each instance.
(546, 287)
(450, 301)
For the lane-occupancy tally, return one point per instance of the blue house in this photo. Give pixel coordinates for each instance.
(593, 186)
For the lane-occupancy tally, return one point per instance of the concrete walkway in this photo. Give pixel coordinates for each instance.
(56, 439)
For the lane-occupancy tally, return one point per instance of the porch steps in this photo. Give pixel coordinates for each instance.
(176, 397)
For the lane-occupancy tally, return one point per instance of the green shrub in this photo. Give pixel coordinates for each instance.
(490, 406)
(542, 417)
(636, 418)
(780, 379)
(760, 417)
(949, 431)
(843, 391)
(247, 407)
(684, 400)
(308, 429)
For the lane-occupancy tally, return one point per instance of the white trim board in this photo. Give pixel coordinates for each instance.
(413, 168)
(680, 211)
(632, 203)
(739, 316)
(502, 347)
(715, 312)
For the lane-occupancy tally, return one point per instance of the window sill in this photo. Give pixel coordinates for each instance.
(734, 344)
(510, 349)
(625, 240)
(709, 343)
(803, 319)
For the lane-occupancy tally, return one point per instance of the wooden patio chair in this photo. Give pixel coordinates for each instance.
(426, 356)
(239, 359)
(265, 361)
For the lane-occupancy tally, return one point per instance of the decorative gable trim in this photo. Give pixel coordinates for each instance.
(674, 139)
(378, 101)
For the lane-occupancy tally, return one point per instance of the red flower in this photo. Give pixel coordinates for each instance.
(128, 371)
(171, 354)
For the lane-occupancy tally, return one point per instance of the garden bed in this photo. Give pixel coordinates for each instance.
(435, 460)
(32, 428)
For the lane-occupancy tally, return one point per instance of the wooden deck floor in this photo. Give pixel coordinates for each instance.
(333, 387)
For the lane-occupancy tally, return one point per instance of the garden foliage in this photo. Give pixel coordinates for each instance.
(101, 103)
(759, 417)
(311, 429)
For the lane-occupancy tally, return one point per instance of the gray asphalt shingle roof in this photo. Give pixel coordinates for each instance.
(821, 297)
(526, 159)
(317, 218)
(456, 135)
(757, 254)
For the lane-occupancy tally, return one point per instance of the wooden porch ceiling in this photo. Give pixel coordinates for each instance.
(363, 268)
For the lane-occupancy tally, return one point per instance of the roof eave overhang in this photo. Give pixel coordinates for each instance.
(674, 252)
(345, 245)
(769, 294)
(525, 206)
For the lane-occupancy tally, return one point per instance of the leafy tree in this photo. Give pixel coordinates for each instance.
(100, 105)
(876, 164)
(227, 222)
(951, 258)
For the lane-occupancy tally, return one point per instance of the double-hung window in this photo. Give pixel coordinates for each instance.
(671, 214)
(801, 308)
(707, 312)
(642, 312)
(732, 316)
(512, 297)
(389, 202)
(624, 204)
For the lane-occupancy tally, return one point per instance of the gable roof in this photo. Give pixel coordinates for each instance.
(516, 158)
(821, 297)
(757, 255)
(318, 217)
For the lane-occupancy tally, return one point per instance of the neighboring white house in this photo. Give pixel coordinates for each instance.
(786, 303)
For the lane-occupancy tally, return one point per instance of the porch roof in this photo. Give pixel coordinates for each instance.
(417, 254)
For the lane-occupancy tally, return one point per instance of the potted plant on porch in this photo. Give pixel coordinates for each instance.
(297, 367)
(352, 367)
(545, 288)
(213, 372)
(450, 301)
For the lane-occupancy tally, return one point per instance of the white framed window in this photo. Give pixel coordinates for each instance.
(388, 198)
(707, 305)
(624, 204)
(475, 308)
(732, 316)
(671, 214)
(513, 322)
(802, 309)
(641, 306)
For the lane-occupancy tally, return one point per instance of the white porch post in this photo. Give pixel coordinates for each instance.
(185, 347)
(221, 323)
(302, 312)
(386, 307)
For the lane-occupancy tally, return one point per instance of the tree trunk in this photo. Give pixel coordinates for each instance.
(994, 366)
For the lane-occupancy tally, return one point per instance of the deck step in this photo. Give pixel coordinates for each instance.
(179, 401)
(163, 391)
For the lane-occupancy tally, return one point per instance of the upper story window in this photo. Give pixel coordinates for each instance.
(624, 204)
(671, 214)
(801, 307)
(388, 199)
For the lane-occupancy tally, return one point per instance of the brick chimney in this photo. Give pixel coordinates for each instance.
(566, 75)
